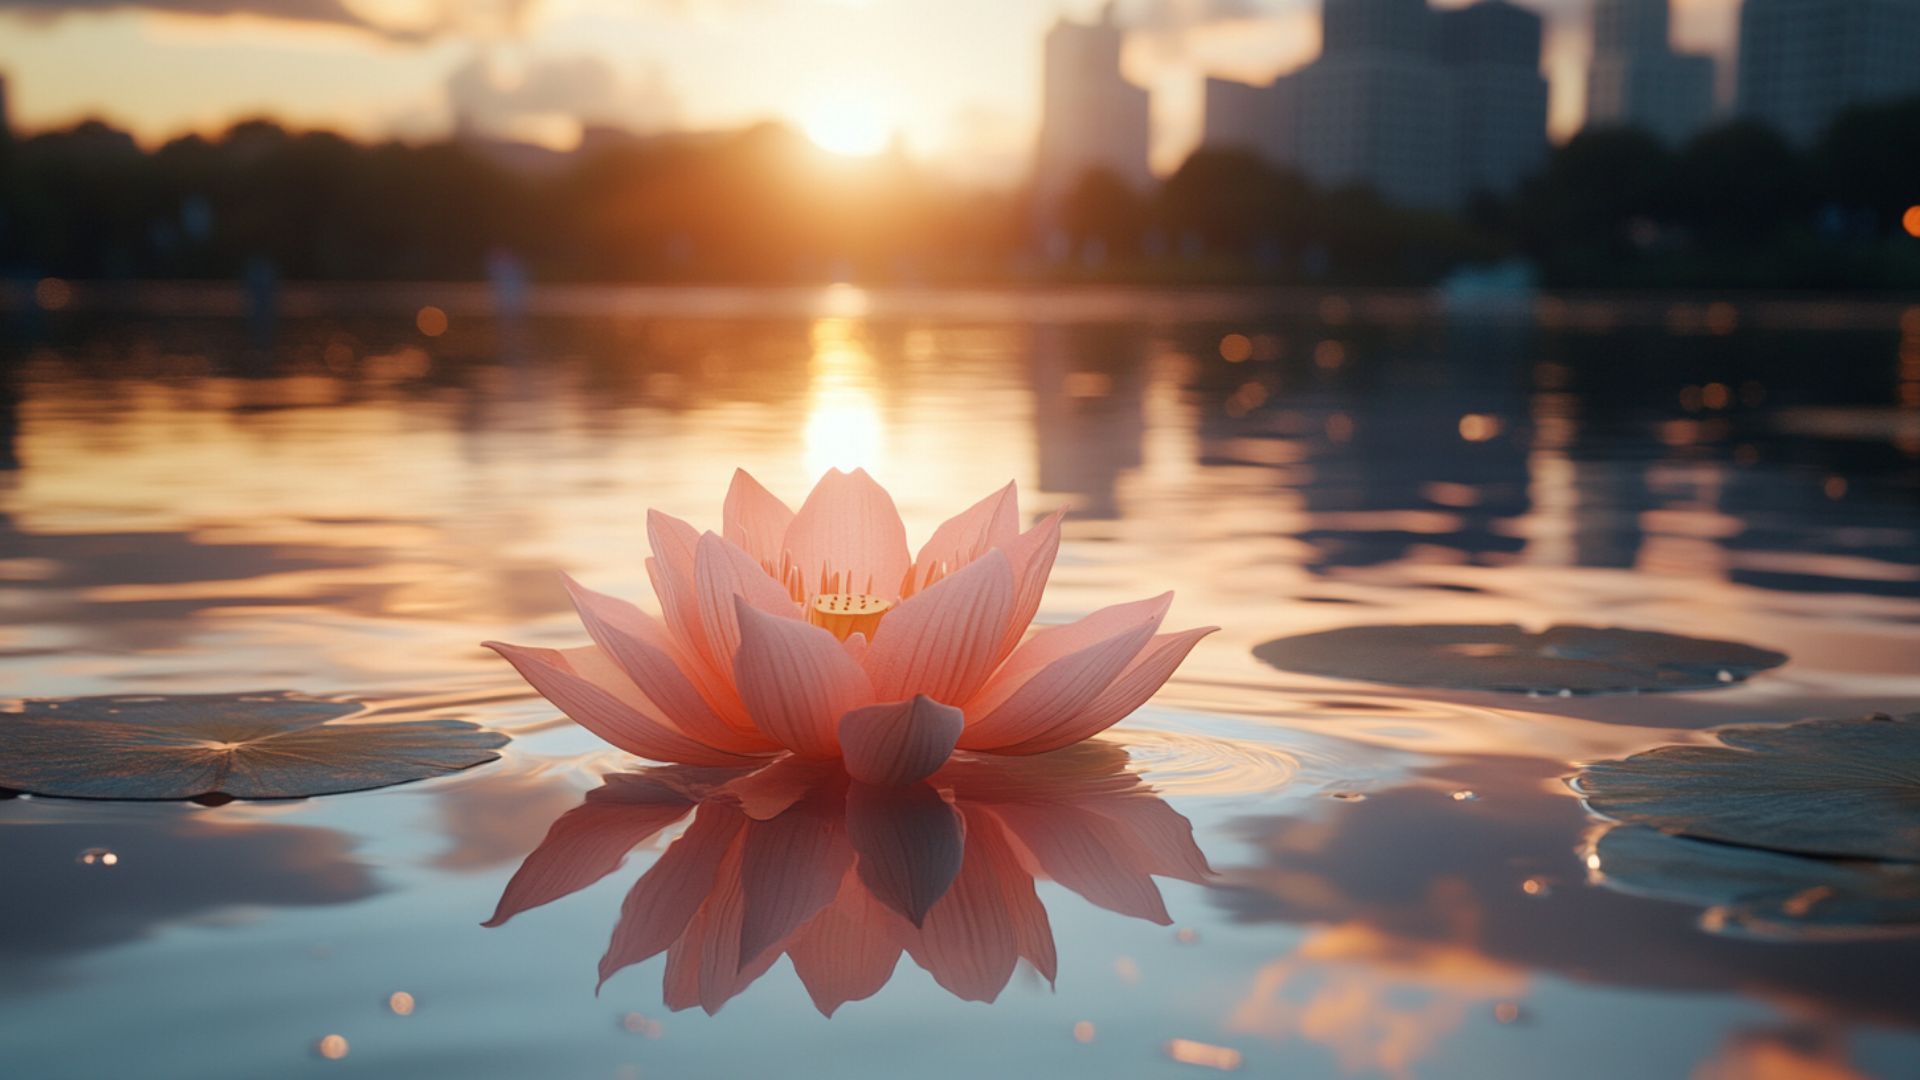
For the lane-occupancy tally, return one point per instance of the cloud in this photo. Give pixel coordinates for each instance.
(428, 19)
(583, 88)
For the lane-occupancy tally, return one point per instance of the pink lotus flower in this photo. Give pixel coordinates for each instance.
(816, 633)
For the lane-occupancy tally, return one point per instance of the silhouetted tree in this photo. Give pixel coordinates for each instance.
(1102, 213)
(1738, 186)
(1869, 161)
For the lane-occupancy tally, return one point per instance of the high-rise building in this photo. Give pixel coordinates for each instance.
(1636, 79)
(1091, 117)
(1424, 107)
(1241, 116)
(1375, 26)
(1802, 62)
(1491, 50)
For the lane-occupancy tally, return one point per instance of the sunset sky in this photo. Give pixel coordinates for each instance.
(958, 82)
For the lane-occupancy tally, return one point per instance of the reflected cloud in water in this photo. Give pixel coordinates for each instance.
(843, 879)
(1425, 908)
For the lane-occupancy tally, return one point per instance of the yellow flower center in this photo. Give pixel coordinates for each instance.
(847, 614)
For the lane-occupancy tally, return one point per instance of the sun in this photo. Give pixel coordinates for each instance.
(850, 128)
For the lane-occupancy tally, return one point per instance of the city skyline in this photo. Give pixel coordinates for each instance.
(960, 89)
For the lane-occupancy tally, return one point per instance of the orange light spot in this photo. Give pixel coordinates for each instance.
(1479, 427)
(1189, 1052)
(1722, 318)
(332, 1047)
(1329, 355)
(431, 321)
(1236, 348)
(1083, 1031)
(401, 1003)
(1911, 221)
(52, 294)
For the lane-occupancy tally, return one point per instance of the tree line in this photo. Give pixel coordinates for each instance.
(1737, 206)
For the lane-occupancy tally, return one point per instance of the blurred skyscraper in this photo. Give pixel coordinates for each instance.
(1804, 61)
(1091, 117)
(1424, 107)
(1492, 52)
(1636, 79)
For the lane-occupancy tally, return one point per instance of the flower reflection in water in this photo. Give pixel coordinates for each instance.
(797, 860)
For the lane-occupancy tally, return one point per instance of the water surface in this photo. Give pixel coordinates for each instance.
(333, 502)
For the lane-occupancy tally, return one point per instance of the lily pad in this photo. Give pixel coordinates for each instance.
(1843, 788)
(245, 746)
(1751, 892)
(1564, 660)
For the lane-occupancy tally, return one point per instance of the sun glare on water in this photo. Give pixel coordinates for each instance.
(850, 128)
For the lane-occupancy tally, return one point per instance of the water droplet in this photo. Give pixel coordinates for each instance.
(401, 1003)
(331, 1047)
(1083, 1031)
(1127, 970)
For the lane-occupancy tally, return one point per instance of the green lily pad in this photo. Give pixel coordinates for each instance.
(1751, 892)
(1843, 788)
(1565, 660)
(244, 746)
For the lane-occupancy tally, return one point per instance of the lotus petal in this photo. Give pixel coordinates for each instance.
(796, 681)
(945, 641)
(900, 742)
(754, 520)
(847, 536)
(587, 686)
(990, 523)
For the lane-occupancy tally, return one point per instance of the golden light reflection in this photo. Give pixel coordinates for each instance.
(400, 1003)
(1479, 427)
(1911, 221)
(331, 1047)
(843, 408)
(52, 294)
(430, 321)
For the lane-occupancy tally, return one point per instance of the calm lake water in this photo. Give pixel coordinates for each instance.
(336, 503)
